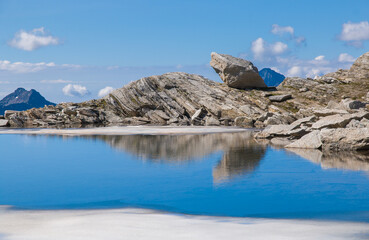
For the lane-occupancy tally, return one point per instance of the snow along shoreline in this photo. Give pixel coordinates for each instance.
(130, 223)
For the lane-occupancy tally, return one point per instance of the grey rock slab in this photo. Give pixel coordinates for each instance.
(345, 139)
(311, 140)
(338, 121)
(4, 123)
(301, 121)
(280, 98)
(328, 112)
(211, 121)
(350, 104)
(9, 113)
(273, 131)
(236, 72)
(243, 121)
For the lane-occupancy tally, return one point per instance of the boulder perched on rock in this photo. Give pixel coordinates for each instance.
(236, 72)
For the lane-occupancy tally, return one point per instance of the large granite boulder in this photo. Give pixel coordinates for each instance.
(236, 72)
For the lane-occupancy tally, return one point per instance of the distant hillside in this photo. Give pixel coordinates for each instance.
(22, 99)
(271, 77)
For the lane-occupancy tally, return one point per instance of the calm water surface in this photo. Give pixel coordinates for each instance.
(215, 174)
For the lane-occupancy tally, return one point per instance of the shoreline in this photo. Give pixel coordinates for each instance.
(125, 130)
(133, 223)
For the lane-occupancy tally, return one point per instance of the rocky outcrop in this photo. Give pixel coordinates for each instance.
(169, 99)
(236, 72)
(298, 105)
(358, 72)
(339, 132)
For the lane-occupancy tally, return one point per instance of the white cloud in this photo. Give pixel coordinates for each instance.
(33, 39)
(279, 48)
(105, 91)
(75, 90)
(264, 51)
(355, 33)
(294, 71)
(287, 30)
(55, 81)
(319, 58)
(312, 68)
(346, 58)
(279, 30)
(24, 67)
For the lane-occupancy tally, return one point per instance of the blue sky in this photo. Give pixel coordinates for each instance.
(90, 45)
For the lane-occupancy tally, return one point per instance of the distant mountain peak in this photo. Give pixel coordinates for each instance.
(21, 100)
(271, 77)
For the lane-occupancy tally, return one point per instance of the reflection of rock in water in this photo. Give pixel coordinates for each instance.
(237, 161)
(177, 147)
(241, 153)
(357, 161)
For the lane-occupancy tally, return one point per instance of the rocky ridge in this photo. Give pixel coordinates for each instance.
(297, 109)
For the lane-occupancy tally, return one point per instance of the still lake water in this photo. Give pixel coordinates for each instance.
(215, 174)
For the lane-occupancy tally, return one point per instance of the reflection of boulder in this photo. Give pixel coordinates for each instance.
(357, 161)
(238, 161)
(177, 147)
(241, 153)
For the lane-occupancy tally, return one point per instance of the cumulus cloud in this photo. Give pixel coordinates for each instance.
(346, 58)
(33, 39)
(55, 81)
(355, 33)
(105, 91)
(73, 90)
(315, 67)
(294, 71)
(287, 30)
(264, 51)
